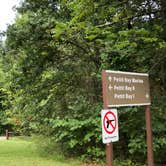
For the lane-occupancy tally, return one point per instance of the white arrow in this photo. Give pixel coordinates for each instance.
(110, 87)
(147, 95)
(110, 78)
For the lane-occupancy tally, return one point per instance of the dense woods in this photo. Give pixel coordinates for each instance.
(50, 69)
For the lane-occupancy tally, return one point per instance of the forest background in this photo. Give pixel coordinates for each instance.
(50, 70)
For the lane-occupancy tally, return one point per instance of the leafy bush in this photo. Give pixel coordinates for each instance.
(47, 147)
(54, 54)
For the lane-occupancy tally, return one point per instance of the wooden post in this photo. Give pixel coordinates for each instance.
(7, 134)
(109, 154)
(149, 136)
(109, 147)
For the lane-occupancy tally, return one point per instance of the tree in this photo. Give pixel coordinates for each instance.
(59, 49)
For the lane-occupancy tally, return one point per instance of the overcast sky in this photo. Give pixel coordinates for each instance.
(7, 14)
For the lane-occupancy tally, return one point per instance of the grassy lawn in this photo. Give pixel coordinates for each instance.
(18, 152)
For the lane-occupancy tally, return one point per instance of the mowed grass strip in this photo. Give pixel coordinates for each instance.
(18, 152)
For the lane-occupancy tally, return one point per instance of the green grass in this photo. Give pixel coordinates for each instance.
(20, 152)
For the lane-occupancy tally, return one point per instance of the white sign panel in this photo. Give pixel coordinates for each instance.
(109, 120)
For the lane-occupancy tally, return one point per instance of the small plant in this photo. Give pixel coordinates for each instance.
(127, 162)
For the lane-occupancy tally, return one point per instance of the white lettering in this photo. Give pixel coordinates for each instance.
(118, 79)
(119, 96)
(128, 88)
(137, 81)
(118, 87)
(128, 96)
(127, 80)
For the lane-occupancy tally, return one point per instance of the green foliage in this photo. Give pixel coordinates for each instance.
(5, 104)
(47, 147)
(126, 163)
(54, 54)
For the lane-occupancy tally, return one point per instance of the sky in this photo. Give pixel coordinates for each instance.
(7, 14)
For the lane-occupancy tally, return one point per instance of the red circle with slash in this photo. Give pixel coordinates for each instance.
(107, 121)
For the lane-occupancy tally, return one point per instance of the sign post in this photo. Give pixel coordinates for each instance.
(109, 146)
(149, 136)
(127, 89)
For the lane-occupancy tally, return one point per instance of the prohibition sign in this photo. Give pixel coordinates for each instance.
(108, 124)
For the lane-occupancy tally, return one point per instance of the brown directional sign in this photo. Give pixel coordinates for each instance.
(125, 88)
